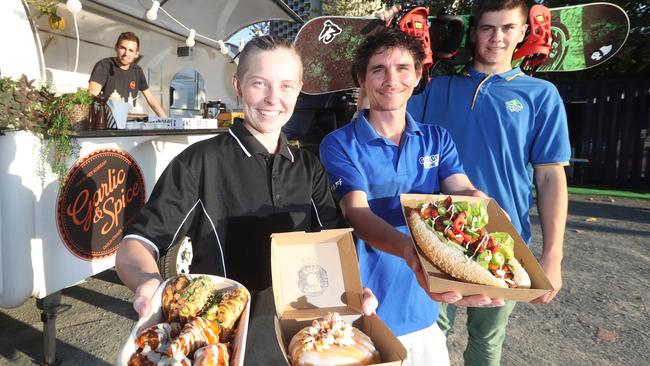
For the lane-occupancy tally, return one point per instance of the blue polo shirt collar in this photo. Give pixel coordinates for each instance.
(508, 75)
(365, 133)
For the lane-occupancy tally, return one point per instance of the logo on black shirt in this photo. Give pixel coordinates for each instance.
(132, 84)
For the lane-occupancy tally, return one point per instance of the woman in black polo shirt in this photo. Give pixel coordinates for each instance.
(230, 192)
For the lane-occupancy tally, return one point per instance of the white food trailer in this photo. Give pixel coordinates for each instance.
(51, 236)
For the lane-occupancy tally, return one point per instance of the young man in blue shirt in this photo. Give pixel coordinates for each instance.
(374, 159)
(506, 126)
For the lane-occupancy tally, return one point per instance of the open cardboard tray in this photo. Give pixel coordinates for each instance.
(238, 346)
(317, 273)
(439, 281)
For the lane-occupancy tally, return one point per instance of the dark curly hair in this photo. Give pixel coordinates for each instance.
(387, 38)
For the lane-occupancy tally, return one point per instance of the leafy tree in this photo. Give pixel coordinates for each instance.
(356, 8)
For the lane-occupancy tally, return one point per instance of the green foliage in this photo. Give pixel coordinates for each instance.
(454, 7)
(61, 144)
(358, 8)
(44, 7)
(82, 97)
(23, 105)
(59, 132)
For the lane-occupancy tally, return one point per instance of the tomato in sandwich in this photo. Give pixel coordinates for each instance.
(462, 225)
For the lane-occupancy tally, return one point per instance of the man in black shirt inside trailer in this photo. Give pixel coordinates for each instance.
(122, 74)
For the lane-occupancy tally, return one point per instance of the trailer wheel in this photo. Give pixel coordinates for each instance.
(177, 260)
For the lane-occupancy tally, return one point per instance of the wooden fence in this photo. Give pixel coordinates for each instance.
(609, 128)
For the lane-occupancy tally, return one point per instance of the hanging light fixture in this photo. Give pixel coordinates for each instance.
(152, 14)
(222, 47)
(74, 6)
(190, 38)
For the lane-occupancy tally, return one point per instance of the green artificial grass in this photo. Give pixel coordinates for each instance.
(608, 192)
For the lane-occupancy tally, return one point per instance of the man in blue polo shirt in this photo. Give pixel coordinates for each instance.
(374, 159)
(506, 125)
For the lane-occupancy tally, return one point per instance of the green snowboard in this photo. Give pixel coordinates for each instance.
(583, 36)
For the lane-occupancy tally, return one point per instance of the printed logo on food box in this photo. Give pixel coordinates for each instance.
(100, 197)
(430, 161)
(329, 32)
(312, 279)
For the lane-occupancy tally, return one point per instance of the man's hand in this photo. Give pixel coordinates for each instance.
(94, 87)
(388, 14)
(143, 295)
(552, 205)
(553, 270)
(451, 297)
(369, 302)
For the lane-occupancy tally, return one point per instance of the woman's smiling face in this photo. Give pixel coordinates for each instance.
(269, 88)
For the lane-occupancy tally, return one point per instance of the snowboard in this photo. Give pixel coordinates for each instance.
(584, 36)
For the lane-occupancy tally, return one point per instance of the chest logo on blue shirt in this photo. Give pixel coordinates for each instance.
(514, 105)
(429, 161)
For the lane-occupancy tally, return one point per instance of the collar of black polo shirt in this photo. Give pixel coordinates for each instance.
(252, 146)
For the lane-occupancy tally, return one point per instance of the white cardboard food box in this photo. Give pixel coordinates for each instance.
(238, 347)
(317, 273)
(439, 281)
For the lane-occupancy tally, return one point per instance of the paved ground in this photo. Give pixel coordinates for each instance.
(600, 317)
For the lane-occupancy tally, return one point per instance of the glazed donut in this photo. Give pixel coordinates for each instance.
(331, 342)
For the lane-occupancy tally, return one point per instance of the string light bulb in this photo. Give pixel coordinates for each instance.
(222, 47)
(190, 38)
(74, 6)
(242, 43)
(152, 14)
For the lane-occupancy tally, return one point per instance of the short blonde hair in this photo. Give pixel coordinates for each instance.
(264, 43)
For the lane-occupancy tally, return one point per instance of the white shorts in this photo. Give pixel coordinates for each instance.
(426, 347)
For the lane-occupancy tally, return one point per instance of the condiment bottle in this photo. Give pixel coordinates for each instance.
(100, 121)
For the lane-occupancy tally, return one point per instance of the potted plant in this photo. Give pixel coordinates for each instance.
(76, 108)
(24, 105)
(27, 106)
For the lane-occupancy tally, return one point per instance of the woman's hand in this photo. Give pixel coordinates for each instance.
(143, 295)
